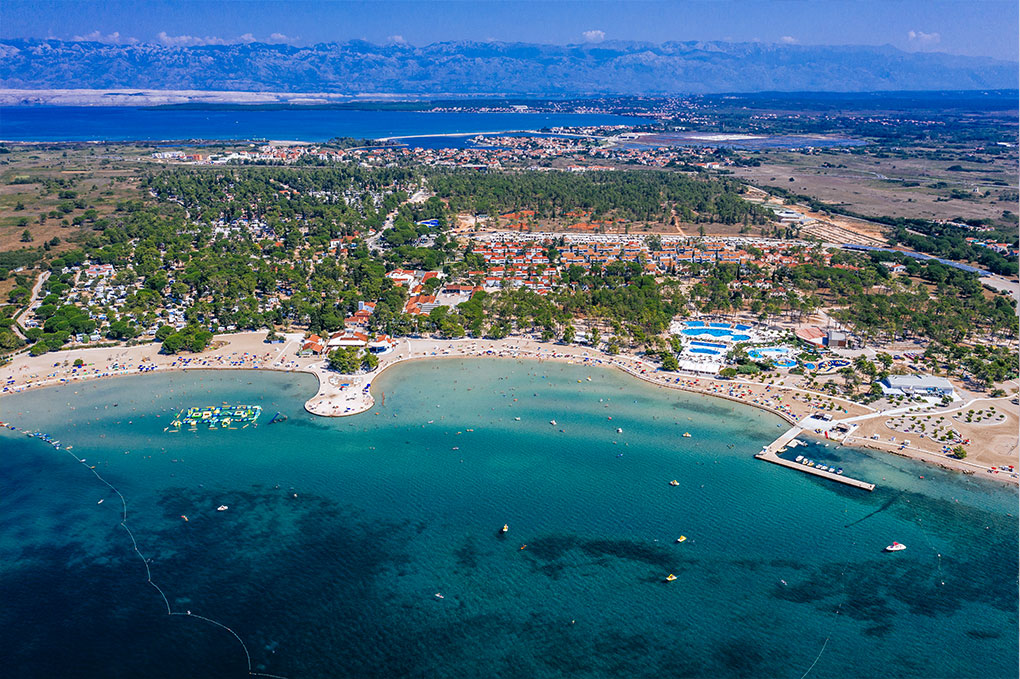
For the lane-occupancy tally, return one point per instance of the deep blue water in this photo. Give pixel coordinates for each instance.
(119, 123)
(340, 532)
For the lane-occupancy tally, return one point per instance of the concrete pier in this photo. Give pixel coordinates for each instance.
(771, 454)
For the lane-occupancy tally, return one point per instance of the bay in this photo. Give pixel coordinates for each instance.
(340, 533)
(126, 123)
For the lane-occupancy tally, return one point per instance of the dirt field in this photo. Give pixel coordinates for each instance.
(99, 178)
(885, 186)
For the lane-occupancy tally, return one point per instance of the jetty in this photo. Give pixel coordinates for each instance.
(771, 454)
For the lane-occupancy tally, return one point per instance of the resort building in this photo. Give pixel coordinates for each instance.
(917, 385)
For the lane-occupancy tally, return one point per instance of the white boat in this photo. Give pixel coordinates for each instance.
(506, 527)
(552, 422)
(619, 431)
(222, 508)
(439, 596)
(896, 547)
(799, 458)
(674, 482)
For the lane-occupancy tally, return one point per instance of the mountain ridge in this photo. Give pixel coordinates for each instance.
(466, 67)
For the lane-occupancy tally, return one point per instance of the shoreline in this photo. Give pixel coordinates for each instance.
(344, 395)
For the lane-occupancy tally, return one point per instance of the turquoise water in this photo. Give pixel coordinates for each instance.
(391, 509)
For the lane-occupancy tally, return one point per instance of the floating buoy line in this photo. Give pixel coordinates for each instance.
(56, 445)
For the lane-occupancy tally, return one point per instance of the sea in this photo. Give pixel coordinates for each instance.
(371, 546)
(128, 123)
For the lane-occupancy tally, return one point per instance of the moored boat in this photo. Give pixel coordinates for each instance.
(896, 547)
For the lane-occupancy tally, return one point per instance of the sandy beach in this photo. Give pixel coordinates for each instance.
(341, 395)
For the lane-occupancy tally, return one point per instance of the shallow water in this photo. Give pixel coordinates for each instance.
(404, 502)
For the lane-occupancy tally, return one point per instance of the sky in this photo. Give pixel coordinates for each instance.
(965, 27)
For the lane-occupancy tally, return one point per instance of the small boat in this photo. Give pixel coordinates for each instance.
(517, 419)
(839, 471)
(670, 578)
(506, 527)
(184, 517)
(439, 596)
(619, 431)
(799, 458)
(222, 508)
(682, 538)
(674, 482)
(100, 502)
(552, 422)
(687, 434)
(896, 547)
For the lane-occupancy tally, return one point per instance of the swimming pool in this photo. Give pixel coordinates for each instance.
(786, 363)
(708, 344)
(715, 332)
(768, 352)
(741, 326)
(700, 350)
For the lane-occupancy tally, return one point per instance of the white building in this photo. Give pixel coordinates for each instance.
(917, 385)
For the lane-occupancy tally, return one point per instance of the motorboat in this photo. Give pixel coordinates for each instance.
(222, 508)
(682, 538)
(674, 482)
(506, 527)
(670, 578)
(896, 547)
(839, 471)
(439, 596)
(552, 422)
(619, 430)
(687, 434)
(799, 458)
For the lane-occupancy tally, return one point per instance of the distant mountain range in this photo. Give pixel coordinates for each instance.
(476, 68)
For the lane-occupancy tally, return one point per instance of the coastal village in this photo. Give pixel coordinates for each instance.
(793, 339)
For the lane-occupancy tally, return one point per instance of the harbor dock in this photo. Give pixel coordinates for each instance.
(771, 454)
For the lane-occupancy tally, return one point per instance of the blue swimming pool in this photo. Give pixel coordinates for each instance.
(715, 332)
(719, 325)
(768, 352)
(741, 326)
(712, 345)
(700, 350)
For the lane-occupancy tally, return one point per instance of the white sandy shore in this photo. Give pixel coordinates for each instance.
(341, 395)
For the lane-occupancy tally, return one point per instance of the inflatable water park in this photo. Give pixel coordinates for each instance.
(213, 417)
